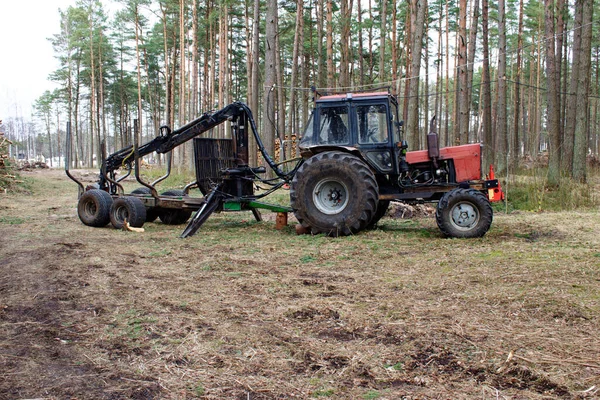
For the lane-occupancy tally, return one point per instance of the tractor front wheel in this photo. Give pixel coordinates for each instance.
(93, 208)
(334, 193)
(130, 209)
(464, 213)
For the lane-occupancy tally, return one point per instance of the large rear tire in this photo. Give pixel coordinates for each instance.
(382, 208)
(130, 209)
(464, 213)
(93, 208)
(174, 216)
(334, 193)
(151, 212)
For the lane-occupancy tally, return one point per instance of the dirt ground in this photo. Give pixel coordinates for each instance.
(242, 311)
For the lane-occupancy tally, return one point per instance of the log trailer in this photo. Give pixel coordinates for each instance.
(353, 163)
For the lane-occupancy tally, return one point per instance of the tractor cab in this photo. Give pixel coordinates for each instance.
(364, 123)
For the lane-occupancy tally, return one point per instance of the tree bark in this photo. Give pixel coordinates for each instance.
(571, 99)
(472, 48)
(412, 126)
(461, 130)
(583, 90)
(552, 95)
(488, 147)
(270, 76)
(330, 72)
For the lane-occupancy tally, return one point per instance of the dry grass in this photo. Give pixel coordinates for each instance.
(243, 311)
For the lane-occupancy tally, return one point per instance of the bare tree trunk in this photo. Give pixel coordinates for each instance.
(280, 109)
(344, 78)
(552, 94)
(181, 110)
(361, 67)
(93, 92)
(330, 72)
(471, 62)
(583, 89)
(270, 76)
(461, 130)
(488, 147)
(321, 69)
(516, 145)
(194, 108)
(501, 122)
(254, 103)
(292, 113)
(571, 100)
(383, 29)
(420, 7)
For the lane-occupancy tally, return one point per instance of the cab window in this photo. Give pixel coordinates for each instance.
(333, 127)
(372, 124)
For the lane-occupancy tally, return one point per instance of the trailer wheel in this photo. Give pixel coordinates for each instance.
(382, 208)
(174, 216)
(464, 213)
(334, 193)
(94, 208)
(151, 212)
(127, 208)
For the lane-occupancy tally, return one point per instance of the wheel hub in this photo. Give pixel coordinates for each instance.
(330, 196)
(464, 215)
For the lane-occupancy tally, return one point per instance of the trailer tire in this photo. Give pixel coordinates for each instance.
(172, 216)
(130, 209)
(93, 208)
(382, 208)
(334, 193)
(151, 212)
(464, 213)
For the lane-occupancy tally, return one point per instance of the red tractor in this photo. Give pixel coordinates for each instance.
(354, 163)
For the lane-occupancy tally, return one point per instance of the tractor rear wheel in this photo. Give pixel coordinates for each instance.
(151, 212)
(334, 193)
(382, 208)
(94, 208)
(130, 209)
(174, 216)
(464, 213)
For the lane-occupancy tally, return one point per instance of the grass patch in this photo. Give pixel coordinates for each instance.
(9, 220)
(528, 191)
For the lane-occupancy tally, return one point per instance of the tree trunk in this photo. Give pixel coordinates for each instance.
(270, 76)
(471, 62)
(461, 130)
(383, 29)
(571, 99)
(552, 94)
(330, 73)
(254, 102)
(501, 121)
(361, 69)
(516, 147)
(583, 89)
(412, 126)
(292, 113)
(280, 109)
(488, 147)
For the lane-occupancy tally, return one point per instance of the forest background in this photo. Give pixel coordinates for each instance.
(521, 77)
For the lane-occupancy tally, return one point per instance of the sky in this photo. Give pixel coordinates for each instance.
(26, 55)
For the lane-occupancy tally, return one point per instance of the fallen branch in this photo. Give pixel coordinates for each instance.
(127, 227)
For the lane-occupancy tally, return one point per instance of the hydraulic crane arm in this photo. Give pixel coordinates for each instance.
(172, 139)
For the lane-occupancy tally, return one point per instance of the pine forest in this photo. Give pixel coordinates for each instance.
(522, 77)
